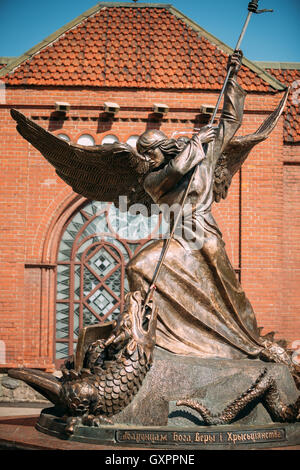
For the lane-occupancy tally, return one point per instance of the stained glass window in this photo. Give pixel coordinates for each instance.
(95, 247)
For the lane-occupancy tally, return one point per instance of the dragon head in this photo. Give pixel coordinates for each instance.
(135, 328)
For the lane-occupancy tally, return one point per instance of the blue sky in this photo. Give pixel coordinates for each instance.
(270, 37)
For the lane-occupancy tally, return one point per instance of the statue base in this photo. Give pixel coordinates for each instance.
(175, 437)
(152, 419)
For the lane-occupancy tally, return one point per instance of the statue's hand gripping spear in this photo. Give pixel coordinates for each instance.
(252, 8)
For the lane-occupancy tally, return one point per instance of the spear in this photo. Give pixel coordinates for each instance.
(252, 8)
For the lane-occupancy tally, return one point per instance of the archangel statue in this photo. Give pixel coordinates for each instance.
(201, 307)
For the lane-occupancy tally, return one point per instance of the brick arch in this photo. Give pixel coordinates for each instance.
(63, 213)
(40, 275)
(85, 131)
(41, 272)
(38, 252)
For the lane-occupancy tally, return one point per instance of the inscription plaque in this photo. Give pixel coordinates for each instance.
(245, 436)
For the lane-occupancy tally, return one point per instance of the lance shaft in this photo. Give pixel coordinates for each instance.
(238, 44)
(166, 246)
(252, 8)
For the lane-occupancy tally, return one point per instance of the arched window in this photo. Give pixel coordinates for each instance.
(86, 139)
(109, 139)
(95, 247)
(132, 140)
(64, 137)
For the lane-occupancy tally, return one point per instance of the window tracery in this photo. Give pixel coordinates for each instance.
(96, 244)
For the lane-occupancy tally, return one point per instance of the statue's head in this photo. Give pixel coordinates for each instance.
(156, 148)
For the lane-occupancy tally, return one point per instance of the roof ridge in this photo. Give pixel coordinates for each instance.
(135, 5)
(272, 81)
(278, 65)
(7, 59)
(251, 64)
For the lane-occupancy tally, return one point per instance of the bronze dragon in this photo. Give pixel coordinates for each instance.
(113, 370)
(264, 389)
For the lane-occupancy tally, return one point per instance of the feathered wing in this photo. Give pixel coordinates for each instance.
(100, 172)
(238, 150)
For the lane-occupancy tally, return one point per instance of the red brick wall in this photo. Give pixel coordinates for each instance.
(291, 250)
(35, 204)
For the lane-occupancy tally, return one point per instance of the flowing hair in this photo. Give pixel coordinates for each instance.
(156, 139)
(170, 148)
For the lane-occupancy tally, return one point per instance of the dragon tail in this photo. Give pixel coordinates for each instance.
(46, 384)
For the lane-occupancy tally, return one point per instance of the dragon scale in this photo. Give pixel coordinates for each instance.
(104, 390)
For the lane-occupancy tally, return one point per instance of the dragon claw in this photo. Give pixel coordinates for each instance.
(96, 421)
(71, 423)
(86, 420)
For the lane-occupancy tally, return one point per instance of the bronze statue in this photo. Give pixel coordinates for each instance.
(202, 308)
(199, 307)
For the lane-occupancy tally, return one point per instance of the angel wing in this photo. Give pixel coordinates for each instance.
(238, 149)
(100, 172)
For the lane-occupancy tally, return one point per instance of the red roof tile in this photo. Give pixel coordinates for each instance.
(132, 47)
(291, 113)
(142, 47)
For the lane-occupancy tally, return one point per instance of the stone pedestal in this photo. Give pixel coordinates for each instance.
(213, 382)
(153, 419)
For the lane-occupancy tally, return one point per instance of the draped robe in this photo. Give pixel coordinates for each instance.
(202, 308)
